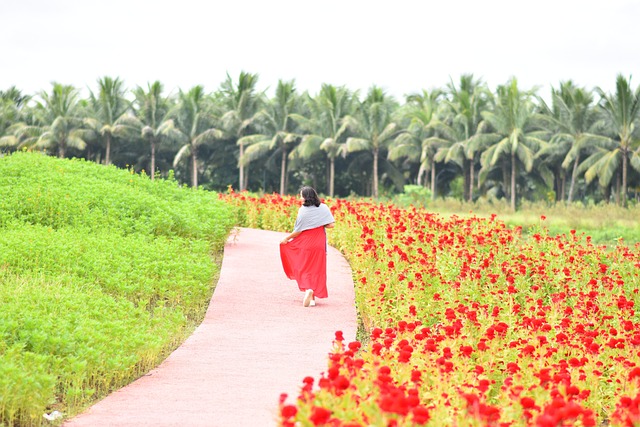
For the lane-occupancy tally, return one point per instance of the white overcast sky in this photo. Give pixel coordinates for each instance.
(403, 46)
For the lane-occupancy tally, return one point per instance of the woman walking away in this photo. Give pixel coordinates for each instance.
(304, 251)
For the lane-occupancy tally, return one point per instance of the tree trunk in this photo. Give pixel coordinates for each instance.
(241, 169)
(466, 174)
(375, 174)
(327, 175)
(153, 158)
(246, 176)
(286, 181)
(107, 153)
(433, 180)
(472, 171)
(283, 170)
(607, 193)
(332, 174)
(558, 185)
(618, 199)
(421, 173)
(573, 178)
(61, 149)
(513, 182)
(194, 169)
(624, 176)
(505, 178)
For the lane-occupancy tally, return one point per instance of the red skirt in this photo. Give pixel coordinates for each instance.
(304, 260)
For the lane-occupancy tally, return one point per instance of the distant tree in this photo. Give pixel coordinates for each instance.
(107, 107)
(517, 135)
(194, 121)
(461, 123)
(11, 116)
(15, 96)
(279, 131)
(152, 121)
(326, 127)
(419, 141)
(374, 128)
(243, 103)
(59, 121)
(573, 120)
(622, 113)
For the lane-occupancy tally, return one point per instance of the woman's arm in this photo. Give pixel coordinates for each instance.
(289, 237)
(331, 225)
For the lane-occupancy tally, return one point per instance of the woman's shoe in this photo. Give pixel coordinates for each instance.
(312, 303)
(308, 297)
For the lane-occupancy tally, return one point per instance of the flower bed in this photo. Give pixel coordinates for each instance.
(469, 323)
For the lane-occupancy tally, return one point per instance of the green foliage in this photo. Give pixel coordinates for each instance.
(39, 190)
(413, 195)
(102, 274)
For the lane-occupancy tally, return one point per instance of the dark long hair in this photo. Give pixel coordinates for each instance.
(310, 196)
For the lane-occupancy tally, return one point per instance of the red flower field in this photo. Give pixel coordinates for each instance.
(469, 323)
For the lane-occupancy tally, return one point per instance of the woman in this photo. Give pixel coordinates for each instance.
(304, 251)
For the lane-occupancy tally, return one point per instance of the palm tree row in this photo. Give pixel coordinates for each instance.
(462, 140)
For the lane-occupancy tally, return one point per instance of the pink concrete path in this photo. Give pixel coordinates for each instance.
(256, 342)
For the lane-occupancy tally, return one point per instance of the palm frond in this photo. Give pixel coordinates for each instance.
(207, 136)
(358, 144)
(9, 141)
(183, 152)
(255, 151)
(309, 145)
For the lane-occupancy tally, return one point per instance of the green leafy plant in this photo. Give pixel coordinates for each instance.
(102, 274)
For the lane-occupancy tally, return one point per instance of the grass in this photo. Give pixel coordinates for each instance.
(102, 274)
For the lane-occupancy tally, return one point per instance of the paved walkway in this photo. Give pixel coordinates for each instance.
(256, 342)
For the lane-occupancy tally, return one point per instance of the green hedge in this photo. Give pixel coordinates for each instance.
(102, 273)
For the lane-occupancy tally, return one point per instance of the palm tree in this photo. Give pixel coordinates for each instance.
(603, 164)
(243, 105)
(279, 129)
(574, 121)
(196, 126)
(621, 111)
(59, 121)
(326, 127)
(462, 124)
(15, 96)
(516, 137)
(419, 142)
(11, 103)
(108, 107)
(151, 119)
(374, 128)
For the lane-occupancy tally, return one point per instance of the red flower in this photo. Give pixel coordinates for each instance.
(528, 403)
(319, 415)
(288, 411)
(512, 367)
(635, 373)
(420, 415)
(354, 346)
(416, 376)
(466, 350)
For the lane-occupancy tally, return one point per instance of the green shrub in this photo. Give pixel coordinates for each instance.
(413, 195)
(102, 274)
